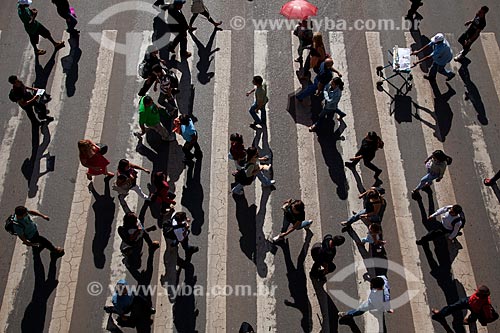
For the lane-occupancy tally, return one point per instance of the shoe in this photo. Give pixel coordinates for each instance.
(186, 54)
(155, 245)
(449, 78)
(193, 249)
(59, 252)
(415, 195)
(109, 309)
(344, 223)
(428, 78)
(419, 242)
(218, 23)
(255, 126)
(299, 59)
(312, 128)
(59, 46)
(349, 165)
(487, 182)
(342, 314)
(40, 52)
(377, 173)
(277, 238)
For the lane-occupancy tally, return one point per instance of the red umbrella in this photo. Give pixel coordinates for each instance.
(298, 9)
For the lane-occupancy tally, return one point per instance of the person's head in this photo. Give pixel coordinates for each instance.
(377, 283)
(438, 38)
(252, 153)
(298, 206)
(121, 287)
(482, 11)
(374, 228)
(157, 70)
(21, 212)
(236, 137)
(456, 210)
(24, 3)
(184, 119)
(85, 146)
(337, 82)
(372, 136)
(257, 80)
(158, 178)
(121, 178)
(483, 291)
(152, 50)
(337, 240)
(123, 165)
(15, 81)
(130, 220)
(439, 155)
(328, 63)
(318, 39)
(179, 3)
(148, 101)
(372, 194)
(180, 217)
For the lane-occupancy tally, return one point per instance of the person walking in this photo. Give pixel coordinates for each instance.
(150, 61)
(317, 54)
(27, 230)
(436, 166)
(452, 221)
(293, 214)
(369, 146)
(246, 175)
(34, 28)
(179, 231)
(64, 10)
(323, 254)
(237, 151)
(31, 103)
(181, 28)
(149, 118)
(259, 103)
(476, 25)
(332, 95)
(197, 8)
(441, 55)
(126, 179)
(324, 77)
(479, 305)
(492, 181)
(92, 157)
(162, 194)
(190, 135)
(304, 33)
(373, 208)
(167, 90)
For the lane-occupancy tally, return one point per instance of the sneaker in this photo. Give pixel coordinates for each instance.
(138, 135)
(428, 78)
(344, 223)
(342, 314)
(487, 182)
(349, 165)
(186, 54)
(59, 46)
(48, 119)
(415, 195)
(312, 128)
(58, 252)
(419, 242)
(277, 238)
(40, 52)
(449, 78)
(155, 245)
(377, 173)
(270, 183)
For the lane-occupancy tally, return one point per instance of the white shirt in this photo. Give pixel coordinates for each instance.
(378, 300)
(180, 233)
(447, 219)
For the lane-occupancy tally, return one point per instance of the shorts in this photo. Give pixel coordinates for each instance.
(42, 31)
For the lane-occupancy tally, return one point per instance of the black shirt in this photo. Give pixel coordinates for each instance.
(478, 24)
(20, 94)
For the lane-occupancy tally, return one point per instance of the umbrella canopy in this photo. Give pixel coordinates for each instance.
(298, 9)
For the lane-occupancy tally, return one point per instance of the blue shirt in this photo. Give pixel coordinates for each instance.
(188, 131)
(324, 76)
(122, 303)
(25, 227)
(332, 97)
(441, 53)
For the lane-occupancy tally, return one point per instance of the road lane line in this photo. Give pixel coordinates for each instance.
(444, 190)
(20, 254)
(492, 52)
(308, 180)
(77, 224)
(219, 188)
(399, 194)
(266, 303)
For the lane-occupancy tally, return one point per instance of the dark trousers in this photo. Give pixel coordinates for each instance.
(461, 304)
(436, 233)
(187, 150)
(44, 242)
(147, 84)
(181, 39)
(496, 177)
(367, 160)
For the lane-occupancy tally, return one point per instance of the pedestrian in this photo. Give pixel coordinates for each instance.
(259, 103)
(452, 221)
(373, 236)
(181, 28)
(190, 135)
(168, 90)
(323, 254)
(198, 7)
(34, 28)
(369, 146)
(162, 194)
(151, 59)
(252, 169)
(31, 103)
(149, 118)
(317, 54)
(179, 231)
(27, 230)
(324, 77)
(479, 305)
(492, 181)
(412, 12)
(237, 151)
(293, 214)
(436, 166)
(126, 179)
(475, 25)
(332, 95)
(65, 11)
(378, 301)
(304, 33)
(373, 208)
(246, 327)
(92, 157)
(441, 55)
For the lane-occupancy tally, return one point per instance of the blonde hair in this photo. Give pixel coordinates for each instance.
(318, 39)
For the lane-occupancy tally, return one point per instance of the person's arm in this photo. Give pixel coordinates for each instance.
(321, 86)
(291, 229)
(422, 60)
(37, 213)
(468, 23)
(440, 211)
(456, 229)
(134, 166)
(250, 92)
(336, 72)
(421, 49)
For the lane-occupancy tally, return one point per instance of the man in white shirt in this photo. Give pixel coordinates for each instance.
(450, 224)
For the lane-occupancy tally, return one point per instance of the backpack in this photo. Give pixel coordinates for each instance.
(9, 225)
(459, 218)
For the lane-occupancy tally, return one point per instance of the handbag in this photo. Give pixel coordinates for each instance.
(103, 148)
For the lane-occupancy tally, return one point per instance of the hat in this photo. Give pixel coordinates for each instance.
(439, 37)
(179, 1)
(24, 2)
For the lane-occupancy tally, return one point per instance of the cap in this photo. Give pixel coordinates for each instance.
(439, 37)
(24, 2)
(122, 282)
(179, 1)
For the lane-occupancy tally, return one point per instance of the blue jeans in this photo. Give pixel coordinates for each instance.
(253, 113)
(427, 179)
(461, 304)
(356, 217)
(435, 68)
(310, 89)
(287, 223)
(355, 312)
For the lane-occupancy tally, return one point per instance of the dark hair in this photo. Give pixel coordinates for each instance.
(375, 227)
(20, 210)
(236, 137)
(441, 156)
(130, 219)
(121, 177)
(299, 205)
(485, 9)
(338, 82)
(147, 99)
(184, 119)
(12, 79)
(482, 290)
(122, 164)
(158, 178)
(180, 217)
(251, 152)
(372, 135)
(156, 68)
(258, 79)
(372, 193)
(377, 283)
(338, 240)
(457, 209)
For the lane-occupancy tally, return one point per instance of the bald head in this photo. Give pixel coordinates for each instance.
(328, 62)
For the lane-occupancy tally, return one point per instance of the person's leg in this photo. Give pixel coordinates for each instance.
(253, 113)
(191, 21)
(442, 70)
(431, 235)
(426, 180)
(355, 313)
(304, 224)
(321, 118)
(162, 131)
(352, 164)
(285, 225)
(355, 217)
(147, 84)
(433, 71)
(495, 177)
(186, 149)
(310, 89)
(137, 189)
(210, 19)
(368, 163)
(461, 304)
(197, 150)
(71, 23)
(238, 189)
(31, 115)
(340, 113)
(263, 117)
(263, 179)
(45, 33)
(183, 45)
(44, 242)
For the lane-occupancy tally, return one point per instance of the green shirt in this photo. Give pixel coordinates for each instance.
(25, 15)
(25, 227)
(149, 116)
(261, 94)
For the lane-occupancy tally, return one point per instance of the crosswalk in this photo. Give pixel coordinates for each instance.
(266, 312)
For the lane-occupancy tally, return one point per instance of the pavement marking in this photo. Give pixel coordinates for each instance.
(399, 194)
(349, 149)
(308, 180)
(266, 302)
(492, 52)
(77, 224)
(445, 193)
(18, 267)
(219, 189)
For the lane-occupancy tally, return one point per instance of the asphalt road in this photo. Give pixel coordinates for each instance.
(468, 140)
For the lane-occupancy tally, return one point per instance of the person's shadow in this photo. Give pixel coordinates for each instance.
(297, 282)
(184, 310)
(329, 310)
(31, 166)
(245, 215)
(104, 215)
(471, 92)
(42, 73)
(70, 64)
(192, 196)
(205, 54)
(442, 109)
(34, 315)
